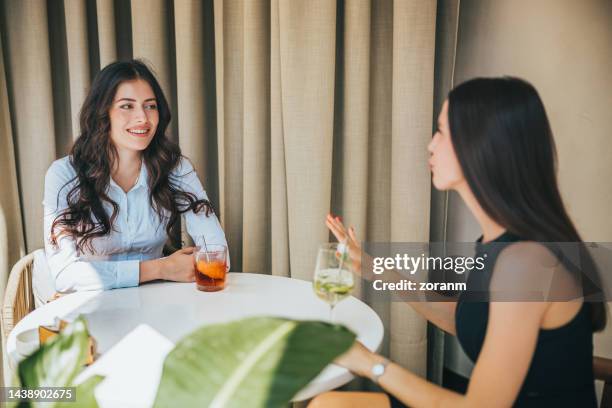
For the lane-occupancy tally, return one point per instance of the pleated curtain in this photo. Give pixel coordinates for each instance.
(289, 109)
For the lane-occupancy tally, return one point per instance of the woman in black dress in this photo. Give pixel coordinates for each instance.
(494, 147)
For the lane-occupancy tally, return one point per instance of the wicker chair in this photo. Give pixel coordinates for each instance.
(18, 296)
(18, 302)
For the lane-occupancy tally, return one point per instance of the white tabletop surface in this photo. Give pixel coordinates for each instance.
(176, 309)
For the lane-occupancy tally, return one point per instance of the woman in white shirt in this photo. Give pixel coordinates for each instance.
(111, 204)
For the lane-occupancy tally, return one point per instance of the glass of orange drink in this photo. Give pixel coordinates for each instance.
(211, 267)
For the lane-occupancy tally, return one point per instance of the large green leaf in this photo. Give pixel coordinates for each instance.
(57, 362)
(256, 362)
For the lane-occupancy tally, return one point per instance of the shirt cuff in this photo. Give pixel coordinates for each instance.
(128, 274)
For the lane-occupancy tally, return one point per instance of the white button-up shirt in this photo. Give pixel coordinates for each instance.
(137, 233)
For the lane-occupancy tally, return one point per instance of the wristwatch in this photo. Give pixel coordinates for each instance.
(378, 370)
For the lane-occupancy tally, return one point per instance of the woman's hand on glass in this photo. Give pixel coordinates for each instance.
(180, 266)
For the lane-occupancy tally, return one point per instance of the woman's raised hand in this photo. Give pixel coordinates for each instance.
(348, 238)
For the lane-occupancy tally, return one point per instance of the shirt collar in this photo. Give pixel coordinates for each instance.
(143, 178)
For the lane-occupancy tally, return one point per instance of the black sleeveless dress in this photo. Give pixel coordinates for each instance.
(561, 371)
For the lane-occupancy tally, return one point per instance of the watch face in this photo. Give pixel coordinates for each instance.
(378, 369)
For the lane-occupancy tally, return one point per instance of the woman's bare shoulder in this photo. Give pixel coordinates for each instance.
(526, 269)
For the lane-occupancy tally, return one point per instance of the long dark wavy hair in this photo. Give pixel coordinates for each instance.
(505, 147)
(93, 156)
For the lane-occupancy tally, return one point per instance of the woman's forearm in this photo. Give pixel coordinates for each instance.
(416, 392)
(92, 275)
(433, 307)
(151, 270)
(409, 388)
(442, 314)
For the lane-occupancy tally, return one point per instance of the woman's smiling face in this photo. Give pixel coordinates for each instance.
(133, 116)
(445, 168)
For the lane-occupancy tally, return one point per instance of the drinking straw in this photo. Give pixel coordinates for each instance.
(344, 248)
(205, 249)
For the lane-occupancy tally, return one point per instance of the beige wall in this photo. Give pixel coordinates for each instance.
(563, 47)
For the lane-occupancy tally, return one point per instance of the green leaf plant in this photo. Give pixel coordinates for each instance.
(255, 362)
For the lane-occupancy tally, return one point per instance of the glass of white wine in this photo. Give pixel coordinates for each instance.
(333, 279)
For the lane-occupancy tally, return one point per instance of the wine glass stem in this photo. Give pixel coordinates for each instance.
(331, 313)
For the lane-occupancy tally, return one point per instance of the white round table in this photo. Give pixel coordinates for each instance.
(176, 309)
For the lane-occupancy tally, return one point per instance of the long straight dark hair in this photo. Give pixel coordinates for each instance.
(504, 144)
(93, 156)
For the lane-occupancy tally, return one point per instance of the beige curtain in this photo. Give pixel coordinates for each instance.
(289, 109)
(447, 25)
